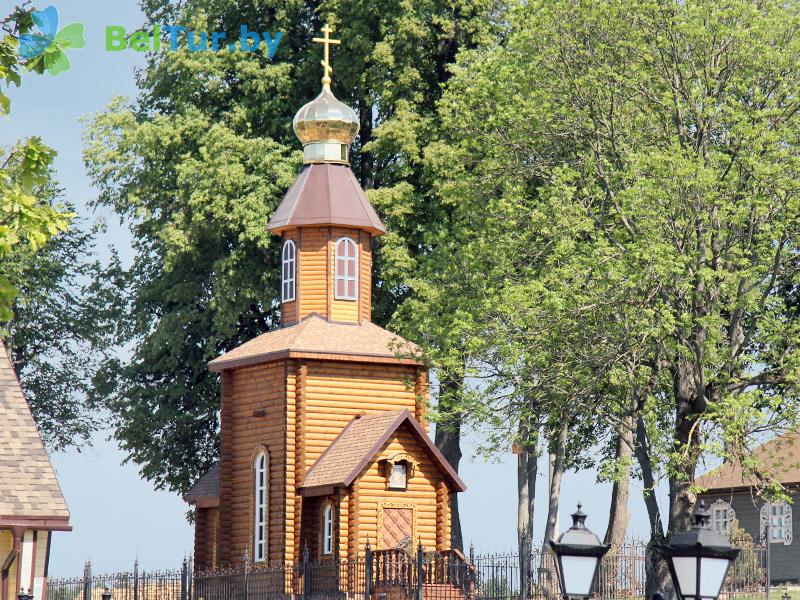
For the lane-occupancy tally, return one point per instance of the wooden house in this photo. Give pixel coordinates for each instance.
(731, 495)
(324, 444)
(31, 504)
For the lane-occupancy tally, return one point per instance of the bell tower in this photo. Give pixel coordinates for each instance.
(325, 221)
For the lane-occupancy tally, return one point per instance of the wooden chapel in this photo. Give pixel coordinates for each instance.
(324, 444)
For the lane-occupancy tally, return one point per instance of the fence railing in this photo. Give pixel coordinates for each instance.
(397, 575)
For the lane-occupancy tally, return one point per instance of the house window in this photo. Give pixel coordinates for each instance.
(288, 271)
(346, 270)
(722, 516)
(261, 468)
(327, 529)
(776, 523)
(398, 476)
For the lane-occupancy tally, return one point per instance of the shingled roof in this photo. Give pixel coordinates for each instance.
(326, 194)
(780, 456)
(316, 337)
(29, 491)
(357, 445)
(205, 491)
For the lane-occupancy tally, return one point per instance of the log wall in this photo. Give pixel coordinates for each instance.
(338, 391)
(314, 292)
(253, 418)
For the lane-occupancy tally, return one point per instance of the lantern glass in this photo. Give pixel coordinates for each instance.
(578, 572)
(712, 576)
(686, 570)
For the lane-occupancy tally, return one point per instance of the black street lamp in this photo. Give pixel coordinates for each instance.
(578, 553)
(698, 559)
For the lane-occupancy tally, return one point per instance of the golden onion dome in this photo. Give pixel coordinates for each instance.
(325, 126)
(326, 119)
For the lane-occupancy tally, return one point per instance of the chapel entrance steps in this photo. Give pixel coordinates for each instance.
(443, 575)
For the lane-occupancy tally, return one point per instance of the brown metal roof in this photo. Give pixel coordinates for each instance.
(359, 442)
(780, 456)
(29, 490)
(326, 194)
(314, 336)
(205, 487)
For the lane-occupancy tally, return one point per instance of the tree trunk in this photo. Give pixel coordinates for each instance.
(657, 578)
(555, 484)
(448, 440)
(619, 515)
(688, 405)
(527, 469)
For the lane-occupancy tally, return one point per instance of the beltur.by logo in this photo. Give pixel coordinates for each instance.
(177, 37)
(50, 44)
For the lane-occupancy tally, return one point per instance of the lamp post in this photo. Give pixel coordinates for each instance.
(578, 553)
(698, 559)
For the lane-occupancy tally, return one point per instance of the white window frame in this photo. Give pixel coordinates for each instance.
(260, 497)
(288, 271)
(327, 529)
(721, 513)
(341, 255)
(779, 515)
(398, 476)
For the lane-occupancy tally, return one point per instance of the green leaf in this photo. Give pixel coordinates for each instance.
(56, 62)
(71, 36)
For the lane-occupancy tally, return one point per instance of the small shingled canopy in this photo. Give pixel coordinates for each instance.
(359, 442)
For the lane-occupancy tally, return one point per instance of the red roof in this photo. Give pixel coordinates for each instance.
(326, 194)
(780, 457)
(314, 336)
(359, 443)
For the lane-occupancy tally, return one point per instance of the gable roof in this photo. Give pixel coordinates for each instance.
(356, 446)
(29, 490)
(206, 488)
(326, 194)
(780, 456)
(316, 337)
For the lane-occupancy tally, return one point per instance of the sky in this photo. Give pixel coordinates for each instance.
(116, 516)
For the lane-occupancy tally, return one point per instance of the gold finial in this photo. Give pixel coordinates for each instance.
(326, 62)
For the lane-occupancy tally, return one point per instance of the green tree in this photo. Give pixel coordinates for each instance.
(61, 329)
(198, 163)
(52, 294)
(649, 154)
(24, 218)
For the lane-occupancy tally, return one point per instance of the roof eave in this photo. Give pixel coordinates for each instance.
(218, 365)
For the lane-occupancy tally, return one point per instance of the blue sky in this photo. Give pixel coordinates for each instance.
(118, 517)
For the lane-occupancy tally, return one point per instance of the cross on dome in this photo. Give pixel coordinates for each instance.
(326, 42)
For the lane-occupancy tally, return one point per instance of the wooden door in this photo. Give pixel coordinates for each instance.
(397, 527)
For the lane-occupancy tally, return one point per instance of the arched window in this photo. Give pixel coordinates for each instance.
(346, 274)
(261, 471)
(327, 529)
(722, 516)
(288, 271)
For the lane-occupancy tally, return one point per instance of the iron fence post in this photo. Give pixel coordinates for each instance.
(87, 581)
(246, 575)
(768, 565)
(368, 572)
(420, 576)
(183, 580)
(306, 572)
(136, 579)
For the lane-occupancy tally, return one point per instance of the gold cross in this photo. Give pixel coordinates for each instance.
(326, 62)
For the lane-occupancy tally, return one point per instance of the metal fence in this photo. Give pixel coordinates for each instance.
(397, 575)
